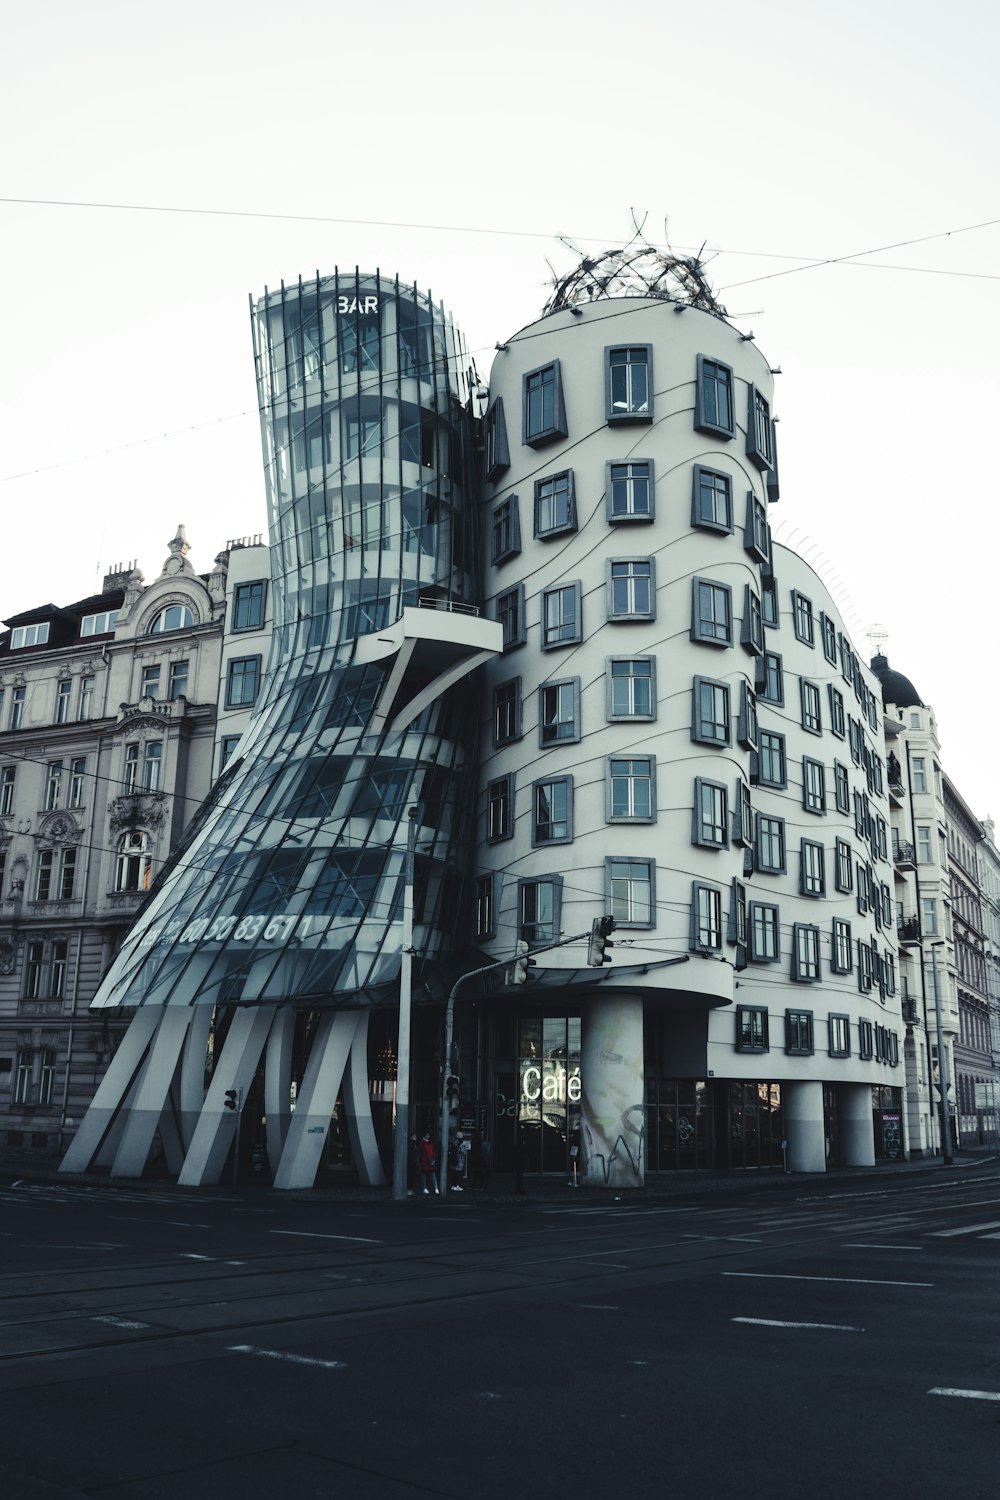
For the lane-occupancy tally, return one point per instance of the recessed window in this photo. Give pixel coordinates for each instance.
(630, 383)
(555, 504)
(29, 635)
(631, 589)
(630, 491)
(813, 785)
(540, 909)
(86, 706)
(712, 500)
(102, 623)
(812, 719)
(802, 617)
(500, 809)
(561, 622)
(840, 1036)
(771, 679)
(760, 434)
(64, 693)
(248, 605)
(485, 915)
(552, 811)
(53, 784)
(751, 1029)
(713, 410)
(812, 875)
(174, 617)
(770, 851)
(706, 918)
(844, 871)
(837, 720)
(629, 891)
(756, 537)
(510, 614)
(711, 612)
(805, 953)
(828, 634)
(152, 766)
(799, 1032)
(497, 451)
(507, 711)
(242, 681)
(711, 815)
(752, 631)
(544, 415)
(8, 777)
(17, 701)
(841, 787)
(765, 933)
(631, 688)
(710, 722)
(559, 712)
(149, 681)
(841, 947)
(631, 789)
(772, 770)
(769, 602)
(178, 683)
(506, 530)
(864, 967)
(227, 749)
(866, 1048)
(134, 862)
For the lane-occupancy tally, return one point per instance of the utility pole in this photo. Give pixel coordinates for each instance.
(943, 1080)
(401, 1138)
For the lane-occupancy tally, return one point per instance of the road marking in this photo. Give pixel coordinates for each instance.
(599, 1306)
(947, 1234)
(292, 1359)
(119, 1322)
(945, 1390)
(304, 1234)
(854, 1245)
(182, 1224)
(853, 1280)
(190, 1255)
(775, 1323)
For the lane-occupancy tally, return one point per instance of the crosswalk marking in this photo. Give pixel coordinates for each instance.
(946, 1234)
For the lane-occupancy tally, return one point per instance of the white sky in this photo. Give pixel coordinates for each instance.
(767, 129)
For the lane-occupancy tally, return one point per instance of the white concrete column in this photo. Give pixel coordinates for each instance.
(802, 1111)
(855, 1128)
(358, 1109)
(111, 1091)
(234, 1069)
(278, 1083)
(154, 1091)
(191, 1085)
(612, 1122)
(316, 1098)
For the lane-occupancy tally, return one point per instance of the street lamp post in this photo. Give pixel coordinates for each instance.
(943, 1081)
(401, 1139)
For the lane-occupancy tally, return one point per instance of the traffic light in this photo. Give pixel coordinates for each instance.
(452, 1089)
(522, 963)
(600, 941)
(232, 1099)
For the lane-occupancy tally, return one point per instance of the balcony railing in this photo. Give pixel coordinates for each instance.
(904, 855)
(908, 930)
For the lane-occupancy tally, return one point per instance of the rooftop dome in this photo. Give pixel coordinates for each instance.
(896, 688)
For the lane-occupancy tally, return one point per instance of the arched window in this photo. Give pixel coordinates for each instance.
(174, 617)
(134, 865)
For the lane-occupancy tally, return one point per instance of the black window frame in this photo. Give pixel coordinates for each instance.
(249, 598)
(250, 672)
(752, 1028)
(707, 383)
(545, 489)
(537, 436)
(709, 522)
(505, 530)
(631, 414)
(799, 1033)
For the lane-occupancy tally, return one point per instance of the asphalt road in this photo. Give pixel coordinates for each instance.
(162, 1345)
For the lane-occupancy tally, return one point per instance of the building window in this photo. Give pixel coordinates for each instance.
(839, 1036)
(34, 970)
(53, 784)
(485, 918)
(178, 684)
(539, 907)
(841, 787)
(544, 416)
(924, 855)
(86, 697)
(131, 775)
(63, 693)
(828, 633)
(506, 530)
(631, 789)
(55, 877)
(841, 947)
(756, 537)
(8, 778)
(805, 953)
(751, 1029)
(710, 724)
(813, 785)
(713, 408)
(802, 617)
(760, 437)
(149, 681)
(811, 716)
(507, 711)
(772, 770)
(629, 891)
(844, 877)
(67, 874)
(772, 684)
(919, 773)
(712, 501)
(134, 862)
(769, 602)
(770, 844)
(561, 622)
(248, 605)
(752, 632)
(22, 1077)
(631, 688)
(227, 747)
(630, 492)
(929, 923)
(706, 918)
(510, 613)
(865, 1040)
(29, 635)
(559, 712)
(102, 623)
(742, 815)
(242, 681)
(631, 589)
(630, 383)
(17, 708)
(813, 881)
(152, 766)
(174, 617)
(864, 967)
(57, 968)
(552, 811)
(738, 914)
(765, 933)
(711, 612)
(836, 710)
(500, 809)
(711, 815)
(799, 1032)
(497, 450)
(555, 504)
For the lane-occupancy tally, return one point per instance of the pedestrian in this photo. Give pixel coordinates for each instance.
(427, 1162)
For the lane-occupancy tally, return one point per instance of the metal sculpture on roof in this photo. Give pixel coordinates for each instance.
(638, 269)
